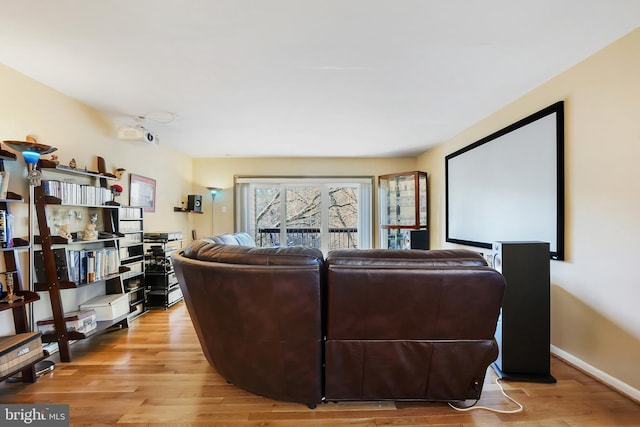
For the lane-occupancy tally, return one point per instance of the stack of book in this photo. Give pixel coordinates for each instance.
(76, 194)
(80, 266)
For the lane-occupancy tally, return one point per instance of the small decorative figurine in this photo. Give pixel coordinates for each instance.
(119, 173)
(11, 297)
(90, 232)
(54, 159)
(116, 190)
(73, 164)
(64, 232)
(78, 215)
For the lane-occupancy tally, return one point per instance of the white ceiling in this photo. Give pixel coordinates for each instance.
(344, 78)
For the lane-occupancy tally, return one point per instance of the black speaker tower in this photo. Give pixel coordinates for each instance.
(523, 332)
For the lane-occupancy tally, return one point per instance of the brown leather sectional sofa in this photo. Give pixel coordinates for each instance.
(375, 324)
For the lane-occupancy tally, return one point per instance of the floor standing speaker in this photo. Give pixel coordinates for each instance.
(523, 329)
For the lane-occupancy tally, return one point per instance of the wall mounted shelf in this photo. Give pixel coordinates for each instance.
(178, 209)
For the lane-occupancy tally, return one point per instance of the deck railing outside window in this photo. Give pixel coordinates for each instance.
(339, 238)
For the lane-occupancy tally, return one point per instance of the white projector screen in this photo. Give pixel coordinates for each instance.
(509, 186)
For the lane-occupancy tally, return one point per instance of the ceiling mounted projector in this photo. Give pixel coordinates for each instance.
(137, 133)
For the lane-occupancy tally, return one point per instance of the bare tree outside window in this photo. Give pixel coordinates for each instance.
(294, 214)
(343, 217)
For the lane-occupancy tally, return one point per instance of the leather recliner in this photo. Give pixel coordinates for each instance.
(257, 315)
(409, 325)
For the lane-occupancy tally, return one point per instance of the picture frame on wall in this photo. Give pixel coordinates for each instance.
(142, 192)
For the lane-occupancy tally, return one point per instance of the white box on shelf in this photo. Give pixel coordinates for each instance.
(83, 321)
(108, 307)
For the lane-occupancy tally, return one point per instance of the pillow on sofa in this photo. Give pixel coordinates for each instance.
(243, 239)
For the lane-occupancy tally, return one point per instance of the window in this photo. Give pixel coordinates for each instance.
(324, 213)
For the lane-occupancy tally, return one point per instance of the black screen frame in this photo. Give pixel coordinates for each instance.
(557, 109)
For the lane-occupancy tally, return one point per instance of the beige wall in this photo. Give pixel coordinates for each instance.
(220, 173)
(595, 292)
(30, 108)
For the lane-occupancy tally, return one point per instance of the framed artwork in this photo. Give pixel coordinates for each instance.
(142, 192)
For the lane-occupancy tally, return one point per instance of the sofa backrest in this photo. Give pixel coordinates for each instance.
(208, 250)
(400, 294)
(413, 257)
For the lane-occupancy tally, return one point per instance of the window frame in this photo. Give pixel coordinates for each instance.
(366, 206)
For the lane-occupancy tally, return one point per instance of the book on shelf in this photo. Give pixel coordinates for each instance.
(4, 185)
(73, 266)
(97, 264)
(6, 240)
(90, 265)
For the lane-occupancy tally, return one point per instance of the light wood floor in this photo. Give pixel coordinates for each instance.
(155, 374)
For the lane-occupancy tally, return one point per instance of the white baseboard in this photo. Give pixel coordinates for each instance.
(603, 377)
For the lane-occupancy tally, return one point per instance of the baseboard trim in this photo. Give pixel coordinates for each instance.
(612, 382)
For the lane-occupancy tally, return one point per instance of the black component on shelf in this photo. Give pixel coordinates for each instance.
(161, 283)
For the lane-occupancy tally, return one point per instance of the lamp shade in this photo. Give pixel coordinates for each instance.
(213, 190)
(31, 157)
(31, 151)
(31, 147)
